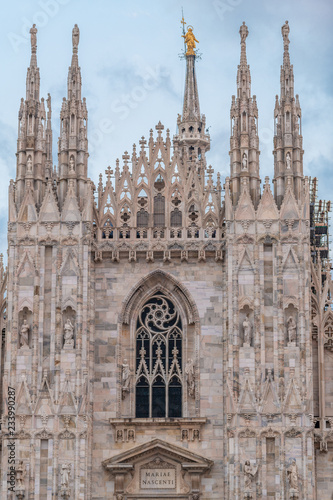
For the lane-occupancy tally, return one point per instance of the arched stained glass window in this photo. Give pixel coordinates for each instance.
(176, 218)
(159, 210)
(159, 359)
(142, 218)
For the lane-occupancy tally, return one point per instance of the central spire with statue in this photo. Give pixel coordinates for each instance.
(189, 40)
(192, 137)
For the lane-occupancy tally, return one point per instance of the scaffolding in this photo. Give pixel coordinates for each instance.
(319, 224)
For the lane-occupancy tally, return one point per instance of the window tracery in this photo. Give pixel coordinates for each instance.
(159, 359)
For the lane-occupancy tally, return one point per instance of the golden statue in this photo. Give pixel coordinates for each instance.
(190, 41)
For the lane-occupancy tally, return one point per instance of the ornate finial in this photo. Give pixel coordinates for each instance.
(142, 143)
(75, 37)
(190, 41)
(100, 182)
(285, 34)
(183, 22)
(210, 172)
(109, 173)
(126, 158)
(33, 33)
(159, 127)
(243, 31)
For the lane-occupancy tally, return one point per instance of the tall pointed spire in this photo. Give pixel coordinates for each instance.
(287, 73)
(33, 78)
(32, 152)
(73, 142)
(192, 139)
(191, 107)
(243, 73)
(244, 141)
(33, 35)
(288, 153)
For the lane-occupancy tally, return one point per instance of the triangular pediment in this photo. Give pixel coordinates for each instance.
(70, 210)
(247, 401)
(245, 262)
(270, 401)
(289, 208)
(49, 211)
(290, 260)
(67, 404)
(44, 403)
(245, 209)
(267, 209)
(23, 399)
(70, 266)
(28, 212)
(293, 401)
(158, 447)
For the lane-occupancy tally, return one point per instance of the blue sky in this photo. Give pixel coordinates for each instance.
(132, 75)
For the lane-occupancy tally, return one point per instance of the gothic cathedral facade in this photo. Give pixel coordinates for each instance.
(164, 335)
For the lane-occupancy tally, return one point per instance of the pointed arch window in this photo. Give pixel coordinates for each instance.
(107, 231)
(176, 218)
(159, 210)
(159, 335)
(142, 218)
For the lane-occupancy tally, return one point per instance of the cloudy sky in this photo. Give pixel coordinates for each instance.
(133, 77)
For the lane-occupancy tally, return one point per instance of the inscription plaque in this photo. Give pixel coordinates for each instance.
(155, 479)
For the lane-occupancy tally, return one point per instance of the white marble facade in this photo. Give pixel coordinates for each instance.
(163, 340)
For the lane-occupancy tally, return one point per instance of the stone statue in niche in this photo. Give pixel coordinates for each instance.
(247, 329)
(125, 378)
(244, 162)
(68, 335)
(24, 334)
(130, 435)
(29, 164)
(71, 164)
(250, 472)
(292, 475)
(190, 377)
(291, 329)
(288, 161)
(20, 475)
(65, 472)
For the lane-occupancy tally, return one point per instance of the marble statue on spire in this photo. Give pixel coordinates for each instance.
(285, 33)
(243, 31)
(33, 33)
(75, 36)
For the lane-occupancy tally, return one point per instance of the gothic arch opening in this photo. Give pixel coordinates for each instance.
(158, 345)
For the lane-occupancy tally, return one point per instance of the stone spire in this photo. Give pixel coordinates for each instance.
(244, 141)
(192, 139)
(33, 79)
(73, 143)
(191, 107)
(32, 152)
(288, 153)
